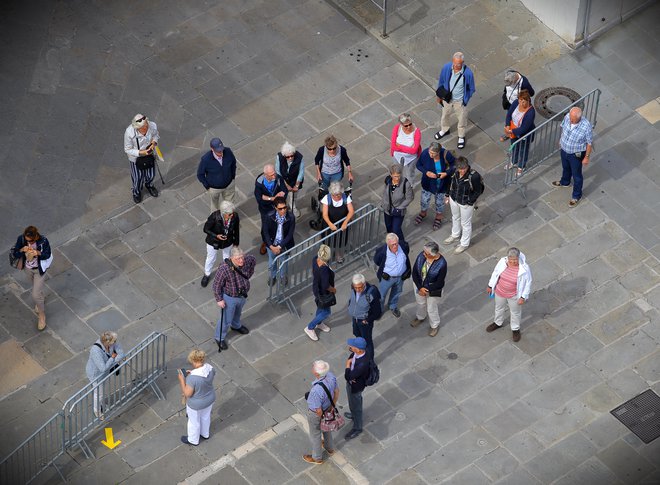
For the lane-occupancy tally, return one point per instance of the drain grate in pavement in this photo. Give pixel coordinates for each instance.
(641, 415)
(550, 101)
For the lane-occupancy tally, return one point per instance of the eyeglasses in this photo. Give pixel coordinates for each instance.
(289, 156)
(141, 119)
(408, 125)
(281, 208)
(332, 149)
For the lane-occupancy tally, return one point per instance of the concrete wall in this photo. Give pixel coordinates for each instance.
(559, 15)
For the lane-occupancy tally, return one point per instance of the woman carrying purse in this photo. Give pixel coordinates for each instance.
(323, 286)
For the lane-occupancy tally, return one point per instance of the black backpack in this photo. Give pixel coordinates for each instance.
(374, 373)
(375, 310)
(482, 186)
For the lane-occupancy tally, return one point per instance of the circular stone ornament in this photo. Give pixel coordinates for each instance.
(550, 101)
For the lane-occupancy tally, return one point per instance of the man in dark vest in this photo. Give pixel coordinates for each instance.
(290, 165)
(217, 173)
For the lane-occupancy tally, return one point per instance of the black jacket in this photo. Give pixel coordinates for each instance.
(380, 256)
(345, 161)
(465, 190)
(215, 225)
(358, 376)
(290, 171)
(266, 206)
(435, 276)
(211, 174)
(269, 231)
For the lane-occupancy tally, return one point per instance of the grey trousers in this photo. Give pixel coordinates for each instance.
(314, 422)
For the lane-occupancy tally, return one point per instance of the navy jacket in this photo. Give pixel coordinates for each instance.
(380, 256)
(357, 378)
(435, 277)
(527, 123)
(426, 164)
(211, 174)
(260, 189)
(345, 161)
(43, 246)
(215, 225)
(269, 231)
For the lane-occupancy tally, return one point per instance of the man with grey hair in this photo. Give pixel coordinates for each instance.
(289, 164)
(364, 307)
(140, 140)
(230, 288)
(217, 172)
(510, 284)
(393, 268)
(222, 232)
(455, 88)
(429, 273)
(318, 401)
(267, 186)
(514, 82)
(576, 145)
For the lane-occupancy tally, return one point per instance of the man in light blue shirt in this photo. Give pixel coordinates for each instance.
(318, 402)
(393, 268)
(576, 144)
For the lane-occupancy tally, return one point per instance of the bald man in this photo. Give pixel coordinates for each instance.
(267, 187)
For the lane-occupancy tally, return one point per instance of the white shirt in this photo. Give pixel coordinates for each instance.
(337, 203)
(130, 144)
(405, 139)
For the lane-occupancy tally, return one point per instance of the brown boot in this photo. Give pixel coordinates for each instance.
(42, 321)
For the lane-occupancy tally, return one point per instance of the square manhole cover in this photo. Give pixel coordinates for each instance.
(641, 415)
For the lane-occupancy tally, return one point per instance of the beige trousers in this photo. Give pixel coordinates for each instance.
(227, 193)
(455, 107)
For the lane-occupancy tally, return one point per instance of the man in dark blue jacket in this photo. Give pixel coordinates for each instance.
(429, 273)
(267, 186)
(277, 235)
(356, 374)
(217, 171)
(393, 269)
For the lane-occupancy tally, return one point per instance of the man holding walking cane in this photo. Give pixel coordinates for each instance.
(230, 287)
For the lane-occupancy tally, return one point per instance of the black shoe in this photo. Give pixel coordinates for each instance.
(222, 345)
(396, 312)
(205, 281)
(272, 281)
(219, 345)
(137, 198)
(440, 134)
(243, 330)
(153, 191)
(184, 440)
(204, 437)
(348, 415)
(353, 433)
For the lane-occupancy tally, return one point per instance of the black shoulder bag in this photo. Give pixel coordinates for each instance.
(116, 366)
(442, 92)
(145, 162)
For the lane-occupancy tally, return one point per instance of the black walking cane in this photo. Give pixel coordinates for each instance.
(222, 325)
(160, 155)
(161, 175)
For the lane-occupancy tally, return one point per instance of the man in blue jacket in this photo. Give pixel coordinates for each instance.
(217, 172)
(267, 187)
(393, 269)
(277, 235)
(429, 273)
(457, 80)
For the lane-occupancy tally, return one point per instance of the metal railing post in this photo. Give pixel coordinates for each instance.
(384, 34)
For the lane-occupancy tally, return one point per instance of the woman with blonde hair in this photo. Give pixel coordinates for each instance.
(104, 356)
(197, 389)
(323, 286)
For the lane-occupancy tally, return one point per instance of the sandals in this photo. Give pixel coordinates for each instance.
(461, 143)
(419, 218)
(437, 222)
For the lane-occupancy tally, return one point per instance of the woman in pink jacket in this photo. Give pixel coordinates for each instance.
(406, 146)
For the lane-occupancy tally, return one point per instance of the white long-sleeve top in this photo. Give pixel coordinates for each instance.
(524, 285)
(130, 144)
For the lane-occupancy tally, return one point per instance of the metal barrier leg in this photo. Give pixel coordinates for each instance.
(159, 394)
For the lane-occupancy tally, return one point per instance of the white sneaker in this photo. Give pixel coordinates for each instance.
(323, 327)
(450, 240)
(460, 249)
(311, 334)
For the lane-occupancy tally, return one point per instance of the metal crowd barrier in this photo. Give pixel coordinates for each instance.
(142, 365)
(543, 142)
(294, 267)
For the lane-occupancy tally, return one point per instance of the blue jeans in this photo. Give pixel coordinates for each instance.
(321, 314)
(572, 167)
(425, 201)
(395, 284)
(355, 405)
(520, 153)
(364, 330)
(327, 179)
(393, 224)
(229, 315)
(273, 267)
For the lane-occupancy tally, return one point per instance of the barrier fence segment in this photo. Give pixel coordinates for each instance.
(35, 454)
(141, 367)
(538, 145)
(294, 266)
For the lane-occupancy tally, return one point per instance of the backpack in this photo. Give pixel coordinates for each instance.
(375, 310)
(344, 198)
(374, 374)
(482, 186)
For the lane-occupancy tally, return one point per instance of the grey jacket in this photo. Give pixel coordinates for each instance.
(100, 362)
(401, 198)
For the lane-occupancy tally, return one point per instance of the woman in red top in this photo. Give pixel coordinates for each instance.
(406, 145)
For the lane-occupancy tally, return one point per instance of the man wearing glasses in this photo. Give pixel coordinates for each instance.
(277, 235)
(267, 187)
(140, 140)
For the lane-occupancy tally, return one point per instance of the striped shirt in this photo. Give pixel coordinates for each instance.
(575, 138)
(507, 284)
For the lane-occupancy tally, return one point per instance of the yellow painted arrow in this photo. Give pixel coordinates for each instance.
(109, 439)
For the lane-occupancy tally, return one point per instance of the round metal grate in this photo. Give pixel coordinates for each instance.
(550, 101)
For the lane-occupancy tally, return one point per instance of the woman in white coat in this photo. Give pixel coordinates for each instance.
(510, 283)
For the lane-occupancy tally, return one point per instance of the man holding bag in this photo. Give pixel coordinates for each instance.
(318, 402)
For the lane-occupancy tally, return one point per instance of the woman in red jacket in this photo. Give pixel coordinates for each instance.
(406, 145)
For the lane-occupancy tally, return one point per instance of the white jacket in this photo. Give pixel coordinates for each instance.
(524, 276)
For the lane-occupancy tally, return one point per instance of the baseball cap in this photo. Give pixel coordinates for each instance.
(216, 144)
(357, 342)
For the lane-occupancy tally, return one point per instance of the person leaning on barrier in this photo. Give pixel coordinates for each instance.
(105, 354)
(230, 288)
(277, 234)
(519, 121)
(267, 186)
(290, 165)
(406, 145)
(330, 161)
(393, 268)
(398, 193)
(33, 256)
(437, 167)
(197, 388)
(514, 82)
(222, 230)
(364, 307)
(317, 402)
(335, 207)
(511, 281)
(323, 286)
(140, 140)
(429, 273)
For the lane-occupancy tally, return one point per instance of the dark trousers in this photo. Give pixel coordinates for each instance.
(572, 167)
(364, 330)
(394, 224)
(355, 405)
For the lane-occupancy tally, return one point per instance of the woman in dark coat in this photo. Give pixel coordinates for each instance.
(519, 122)
(323, 285)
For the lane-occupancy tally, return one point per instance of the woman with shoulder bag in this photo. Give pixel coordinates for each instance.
(397, 196)
(104, 356)
(323, 286)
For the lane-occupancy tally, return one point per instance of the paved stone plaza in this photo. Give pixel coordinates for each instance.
(466, 407)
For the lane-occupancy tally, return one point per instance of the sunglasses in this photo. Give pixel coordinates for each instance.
(408, 125)
(289, 156)
(141, 119)
(332, 149)
(281, 208)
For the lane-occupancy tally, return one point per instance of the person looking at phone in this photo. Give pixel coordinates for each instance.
(104, 356)
(222, 232)
(140, 140)
(197, 389)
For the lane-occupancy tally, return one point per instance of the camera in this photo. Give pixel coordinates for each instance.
(386, 277)
(242, 293)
